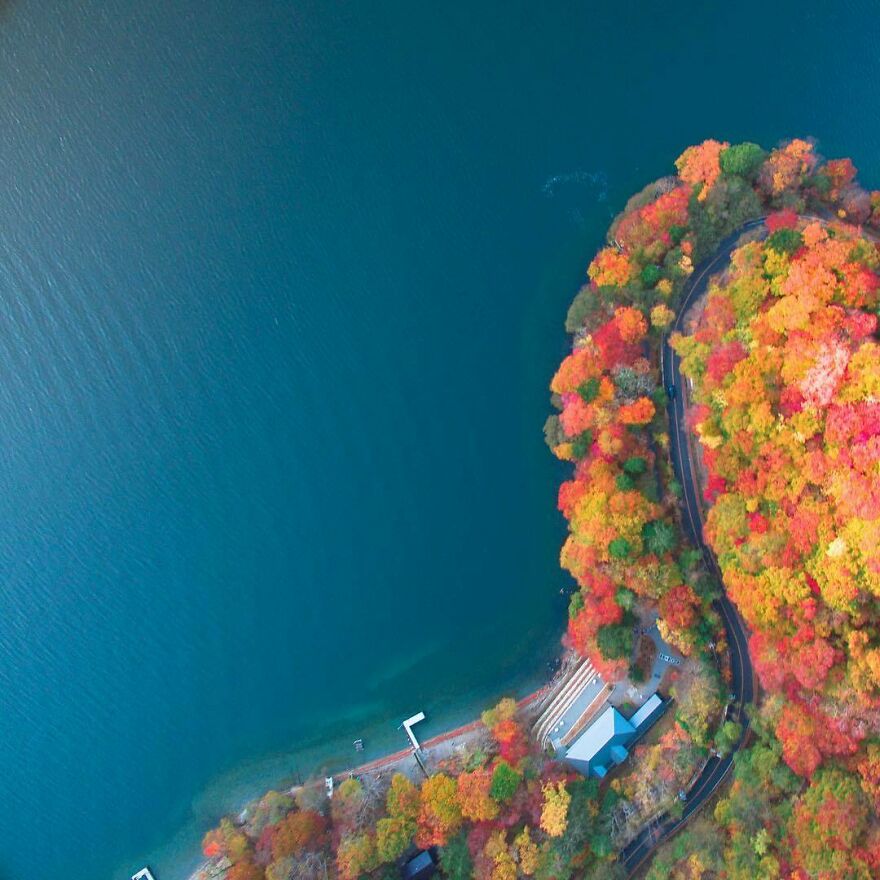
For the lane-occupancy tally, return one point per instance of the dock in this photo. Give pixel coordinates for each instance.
(407, 726)
(143, 874)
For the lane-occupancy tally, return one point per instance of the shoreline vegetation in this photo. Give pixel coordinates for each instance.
(787, 327)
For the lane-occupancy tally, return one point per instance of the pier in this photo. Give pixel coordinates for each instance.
(407, 726)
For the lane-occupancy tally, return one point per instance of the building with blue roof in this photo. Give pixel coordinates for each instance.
(602, 744)
(606, 742)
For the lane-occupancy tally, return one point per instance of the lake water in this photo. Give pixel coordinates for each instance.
(281, 289)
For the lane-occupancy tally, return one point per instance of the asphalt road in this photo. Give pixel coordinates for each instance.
(633, 856)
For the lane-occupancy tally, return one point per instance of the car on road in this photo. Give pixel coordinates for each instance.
(670, 391)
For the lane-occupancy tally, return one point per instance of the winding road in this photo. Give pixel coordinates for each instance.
(633, 856)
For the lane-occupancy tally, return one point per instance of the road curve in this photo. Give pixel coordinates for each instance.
(633, 856)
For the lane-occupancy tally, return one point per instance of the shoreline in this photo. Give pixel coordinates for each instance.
(179, 857)
(469, 727)
(452, 740)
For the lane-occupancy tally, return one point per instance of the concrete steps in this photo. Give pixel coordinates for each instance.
(568, 692)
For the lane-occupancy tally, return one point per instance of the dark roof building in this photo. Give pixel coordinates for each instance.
(419, 867)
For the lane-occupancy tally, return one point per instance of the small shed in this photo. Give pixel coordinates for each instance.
(419, 867)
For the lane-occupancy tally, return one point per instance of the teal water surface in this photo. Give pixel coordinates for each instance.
(281, 289)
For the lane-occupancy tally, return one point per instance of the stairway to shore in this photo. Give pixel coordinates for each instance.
(569, 690)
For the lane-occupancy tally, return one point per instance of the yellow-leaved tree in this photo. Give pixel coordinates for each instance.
(554, 814)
